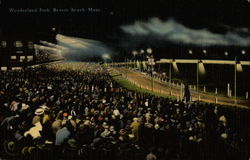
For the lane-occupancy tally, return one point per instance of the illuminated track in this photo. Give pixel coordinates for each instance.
(145, 82)
(204, 61)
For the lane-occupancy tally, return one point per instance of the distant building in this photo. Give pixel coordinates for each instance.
(17, 48)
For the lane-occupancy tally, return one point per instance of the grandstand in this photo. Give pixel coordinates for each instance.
(64, 111)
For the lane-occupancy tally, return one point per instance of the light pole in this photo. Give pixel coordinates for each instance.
(149, 51)
(152, 78)
(235, 80)
(105, 57)
(198, 93)
(134, 54)
(142, 53)
(170, 74)
(151, 62)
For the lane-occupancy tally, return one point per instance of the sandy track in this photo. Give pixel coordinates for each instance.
(144, 81)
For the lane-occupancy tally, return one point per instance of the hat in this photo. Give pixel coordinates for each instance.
(112, 128)
(224, 135)
(106, 119)
(121, 138)
(44, 107)
(105, 133)
(135, 119)
(199, 140)
(31, 149)
(70, 117)
(113, 116)
(72, 144)
(24, 106)
(39, 111)
(10, 148)
(116, 112)
(25, 150)
(148, 125)
(223, 119)
(65, 114)
(191, 138)
(105, 125)
(28, 150)
(157, 126)
(122, 132)
(131, 136)
(87, 123)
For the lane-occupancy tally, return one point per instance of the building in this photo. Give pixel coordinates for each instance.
(17, 47)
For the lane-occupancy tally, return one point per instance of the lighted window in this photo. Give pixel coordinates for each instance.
(30, 45)
(22, 58)
(16, 68)
(4, 68)
(29, 58)
(4, 44)
(13, 57)
(18, 44)
(19, 52)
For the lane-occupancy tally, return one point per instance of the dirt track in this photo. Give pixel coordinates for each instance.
(144, 81)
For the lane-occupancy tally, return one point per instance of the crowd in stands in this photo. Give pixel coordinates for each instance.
(76, 111)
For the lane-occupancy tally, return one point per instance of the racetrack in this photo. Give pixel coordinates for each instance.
(145, 82)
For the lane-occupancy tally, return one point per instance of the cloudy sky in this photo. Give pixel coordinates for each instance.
(131, 24)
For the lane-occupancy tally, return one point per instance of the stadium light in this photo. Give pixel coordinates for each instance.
(149, 50)
(134, 52)
(105, 56)
(142, 58)
(243, 52)
(141, 51)
(190, 51)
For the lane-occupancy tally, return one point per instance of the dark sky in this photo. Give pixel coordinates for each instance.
(193, 13)
(216, 15)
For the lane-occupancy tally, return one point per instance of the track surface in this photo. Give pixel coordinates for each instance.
(144, 81)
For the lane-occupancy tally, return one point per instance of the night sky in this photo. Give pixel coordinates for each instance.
(217, 16)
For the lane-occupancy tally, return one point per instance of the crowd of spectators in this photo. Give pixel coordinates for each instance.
(77, 111)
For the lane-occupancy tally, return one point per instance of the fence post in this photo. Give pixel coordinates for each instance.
(228, 90)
